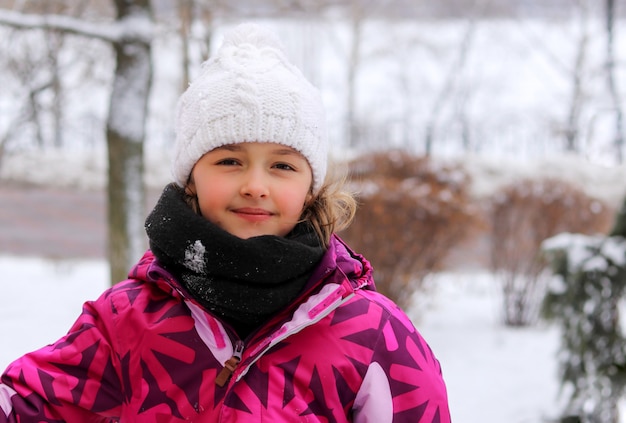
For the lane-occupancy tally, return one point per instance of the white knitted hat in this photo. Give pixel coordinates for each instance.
(250, 92)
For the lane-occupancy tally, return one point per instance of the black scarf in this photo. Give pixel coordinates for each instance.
(244, 281)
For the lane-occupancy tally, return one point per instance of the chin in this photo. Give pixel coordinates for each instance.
(248, 235)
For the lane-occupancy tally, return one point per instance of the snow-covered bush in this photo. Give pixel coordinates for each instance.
(585, 299)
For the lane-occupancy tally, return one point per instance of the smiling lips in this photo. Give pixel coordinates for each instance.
(253, 214)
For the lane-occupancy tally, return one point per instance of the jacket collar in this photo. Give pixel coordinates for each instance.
(346, 264)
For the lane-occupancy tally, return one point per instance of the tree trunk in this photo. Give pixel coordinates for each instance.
(619, 227)
(619, 136)
(572, 129)
(125, 136)
(354, 61)
(448, 87)
(185, 11)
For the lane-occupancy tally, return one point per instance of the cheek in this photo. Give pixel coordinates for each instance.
(294, 201)
(211, 197)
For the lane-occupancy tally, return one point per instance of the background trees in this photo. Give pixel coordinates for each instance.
(130, 36)
(424, 110)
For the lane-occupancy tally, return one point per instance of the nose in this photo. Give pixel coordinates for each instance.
(254, 184)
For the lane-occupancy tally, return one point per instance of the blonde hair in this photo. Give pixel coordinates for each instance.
(330, 210)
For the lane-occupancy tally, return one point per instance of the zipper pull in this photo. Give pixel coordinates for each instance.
(230, 365)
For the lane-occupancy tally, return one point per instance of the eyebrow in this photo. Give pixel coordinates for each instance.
(229, 147)
(287, 151)
(280, 150)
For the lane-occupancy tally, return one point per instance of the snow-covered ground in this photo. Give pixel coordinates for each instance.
(494, 374)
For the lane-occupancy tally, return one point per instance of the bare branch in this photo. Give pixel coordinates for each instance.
(134, 27)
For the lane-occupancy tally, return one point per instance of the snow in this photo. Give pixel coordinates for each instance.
(593, 251)
(41, 298)
(493, 373)
(136, 26)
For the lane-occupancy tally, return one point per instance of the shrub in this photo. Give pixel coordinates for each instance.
(522, 216)
(412, 212)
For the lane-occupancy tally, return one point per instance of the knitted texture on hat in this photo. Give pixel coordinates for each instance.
(250, 92)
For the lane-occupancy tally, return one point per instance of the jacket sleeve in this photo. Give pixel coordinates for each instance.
(75, 379)
(404, 382)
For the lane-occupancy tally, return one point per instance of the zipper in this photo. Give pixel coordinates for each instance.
(287, 334)
(230, 365)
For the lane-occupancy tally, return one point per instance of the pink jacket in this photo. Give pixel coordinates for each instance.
(143, 352)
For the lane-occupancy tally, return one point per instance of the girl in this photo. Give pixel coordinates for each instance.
(246, 307)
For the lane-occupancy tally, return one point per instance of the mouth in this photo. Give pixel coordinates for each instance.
(253, 214)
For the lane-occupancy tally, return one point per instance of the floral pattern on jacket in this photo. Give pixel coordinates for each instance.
(143, 352)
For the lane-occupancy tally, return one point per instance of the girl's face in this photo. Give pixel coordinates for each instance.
(252, 189)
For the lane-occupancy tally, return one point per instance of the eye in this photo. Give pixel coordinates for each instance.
(227, 162)
(284, 166)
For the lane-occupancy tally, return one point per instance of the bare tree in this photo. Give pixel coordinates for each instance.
(130, 36)
(449, 85)
(578, 72)
(35, 60)
(354, 60)
(572, 128)
(27, 112)
(196, 28)
(36, 74)
(54, 43)
(185, 11)
(125, 136)
(358, 12)
(610, 14)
